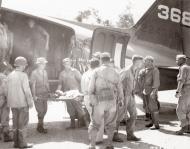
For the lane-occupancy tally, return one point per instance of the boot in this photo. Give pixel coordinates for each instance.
(155, 119)
(15, 139)
(116, 138)
(7, 137)
(72, 124)
(41, 129)
(132, 138)
(149, 125)
(181, 131)
(147, 117)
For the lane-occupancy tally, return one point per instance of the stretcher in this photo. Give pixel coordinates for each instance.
(64, 96)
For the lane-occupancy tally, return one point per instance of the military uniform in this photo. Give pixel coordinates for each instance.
(84, 87)
(105, 85)
(19, 99)
(128, 78)
(151, 79)
(70, 80)
(40, 79)
(183, 107)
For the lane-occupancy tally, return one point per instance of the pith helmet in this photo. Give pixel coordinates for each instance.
(20, 61)
(41, 60)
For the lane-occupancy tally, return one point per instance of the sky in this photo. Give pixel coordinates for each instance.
(68, 9)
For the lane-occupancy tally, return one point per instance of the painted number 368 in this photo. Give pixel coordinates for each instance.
(175, 15)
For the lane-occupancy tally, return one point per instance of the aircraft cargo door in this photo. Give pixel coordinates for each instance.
(114, 42)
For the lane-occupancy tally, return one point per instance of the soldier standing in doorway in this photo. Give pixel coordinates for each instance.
(39, 40)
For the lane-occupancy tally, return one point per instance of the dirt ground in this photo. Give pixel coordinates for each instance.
(57, 120)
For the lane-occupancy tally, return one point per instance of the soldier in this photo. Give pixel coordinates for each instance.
(70, 79)
(183, 93)
(39, 40)
(94, 63)
(151, 82)
(19, 99)
(106, 88)
(40, 91)
(4, 110)
(128, 79)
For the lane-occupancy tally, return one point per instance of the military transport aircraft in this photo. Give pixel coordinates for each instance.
(162, 32)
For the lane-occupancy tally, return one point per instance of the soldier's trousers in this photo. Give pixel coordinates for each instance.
(74, 108)
(153, 106)
(100, 133)
(129, 107)
(20, 122)
(183, 107)
(4, 118)
(104, 111)
(41, 108)
(132, 110)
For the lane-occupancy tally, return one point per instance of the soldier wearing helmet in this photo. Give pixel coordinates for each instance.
(19, 99)
(40, 91)
(39, 39)
(183, 94)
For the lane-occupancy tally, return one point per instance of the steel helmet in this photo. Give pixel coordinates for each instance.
(20, 61)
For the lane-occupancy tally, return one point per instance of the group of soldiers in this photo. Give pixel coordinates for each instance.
(109, 97)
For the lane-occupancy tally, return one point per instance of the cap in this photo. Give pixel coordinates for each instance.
(181, 56)
(66, 60)
(105, 55)
(41, 60)
(20, 61)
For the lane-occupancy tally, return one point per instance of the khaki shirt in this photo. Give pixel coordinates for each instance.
(184, 74)
(128, 79)
(103, 78)
(18, 90)
(41, 82)
(151, 79)
(70, 79)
